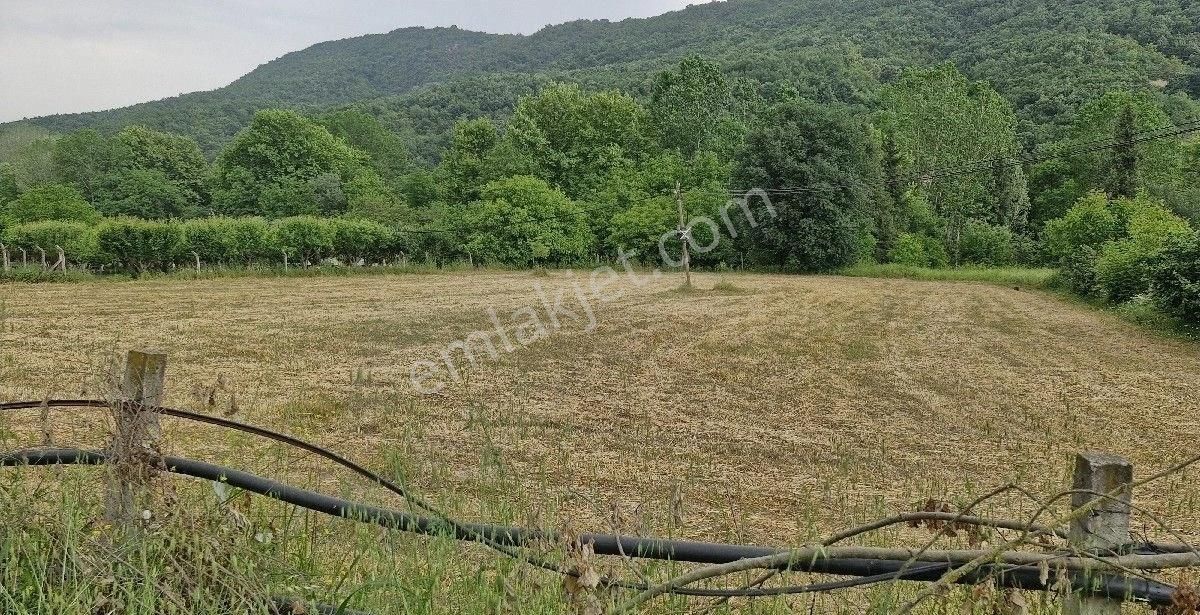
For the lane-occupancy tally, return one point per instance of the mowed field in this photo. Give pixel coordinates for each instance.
(771, 409)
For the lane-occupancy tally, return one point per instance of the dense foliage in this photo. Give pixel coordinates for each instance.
(1046, 58)
(1177, 278)
(826, 225)
(931, 135)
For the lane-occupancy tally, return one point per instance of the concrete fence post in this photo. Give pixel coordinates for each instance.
(134, 452)
(1106, 526)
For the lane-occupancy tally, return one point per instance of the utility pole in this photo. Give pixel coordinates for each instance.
(683, 236)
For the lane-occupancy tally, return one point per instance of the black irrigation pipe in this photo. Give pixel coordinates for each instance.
(1017, 577)
(469, 532)
(287, 606)
(501, 537)
(510, 536)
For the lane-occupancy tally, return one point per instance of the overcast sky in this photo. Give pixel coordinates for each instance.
(60, 56)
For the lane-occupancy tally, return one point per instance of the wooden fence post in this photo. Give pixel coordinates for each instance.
(43, 252)
(134, 452)
(4, 251)
(1106, 526)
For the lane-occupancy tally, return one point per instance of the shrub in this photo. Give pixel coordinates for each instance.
(935, 249)
(1124, 267)
(1077, 271)
(917, 250)
(1088, 223)
(209, 238)
(537, 223)
(360, 239)
(909, 250)
(1121, 271)
(49, 202)
(249, 240)
(984, 244)
(307, 239)
(1027, 251)
(1176, 278)
(76, 239)
(139, 245)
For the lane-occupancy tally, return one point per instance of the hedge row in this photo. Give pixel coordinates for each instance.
(134, 245)
(1126, 249)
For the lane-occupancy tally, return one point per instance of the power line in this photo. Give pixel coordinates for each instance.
(987, 162)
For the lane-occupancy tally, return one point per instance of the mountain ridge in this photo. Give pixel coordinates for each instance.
(1047, 56)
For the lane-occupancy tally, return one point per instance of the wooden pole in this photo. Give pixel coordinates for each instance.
(43, 252)
(1106, 527)
(683, 238)
(62, 260)
(24, 258)
(197, 255)
(285, 260)
(134, 451)
(4, 251)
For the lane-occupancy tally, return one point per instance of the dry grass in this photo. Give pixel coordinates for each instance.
(789, 408)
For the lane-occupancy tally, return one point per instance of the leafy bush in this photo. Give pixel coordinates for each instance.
(49, 202)
(1088, 223)
(537, 224)
(207, 239)
(1176, 278)
(1077, 271)
(138, 246)
(227, 241)
(637, 228)
(1027, 251)
(909, 250)
(1121, 271)
(985, 244)
(248, 240)
(76, 239)
(1124, 267)
(306, 239)
(359, 239)
(918, 251)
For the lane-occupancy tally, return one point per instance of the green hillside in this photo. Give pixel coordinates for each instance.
(1047, 57)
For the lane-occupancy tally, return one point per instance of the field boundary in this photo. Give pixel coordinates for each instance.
(1099, 565)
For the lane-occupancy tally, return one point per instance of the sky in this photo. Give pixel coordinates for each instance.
(63, 56)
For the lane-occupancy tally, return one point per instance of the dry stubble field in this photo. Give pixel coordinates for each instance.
(771, 410)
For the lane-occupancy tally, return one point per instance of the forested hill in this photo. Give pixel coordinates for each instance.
(1046, 56)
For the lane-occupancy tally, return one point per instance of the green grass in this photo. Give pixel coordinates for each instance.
(1139, 312)
(1029, 277)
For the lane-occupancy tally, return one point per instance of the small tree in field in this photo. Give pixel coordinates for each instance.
(249, 240)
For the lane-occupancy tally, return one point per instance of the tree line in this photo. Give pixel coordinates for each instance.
(935, 172)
